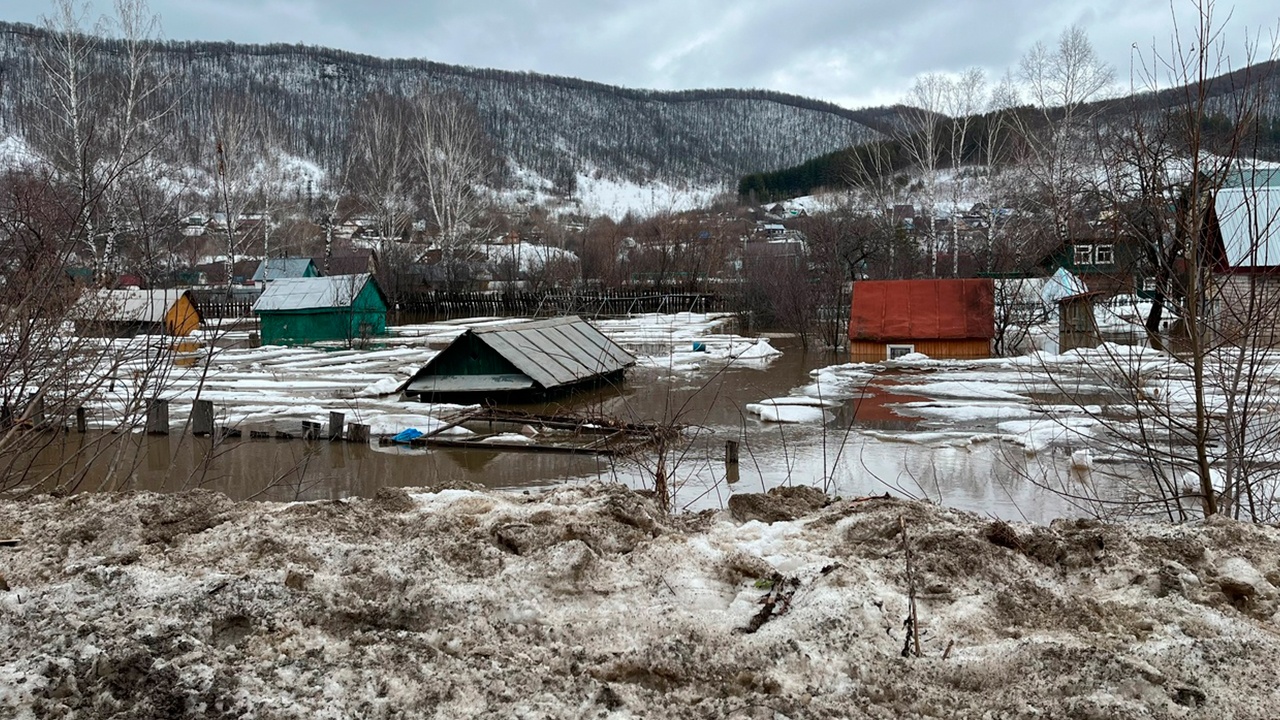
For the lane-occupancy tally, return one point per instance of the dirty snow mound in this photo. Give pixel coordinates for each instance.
(586, 602)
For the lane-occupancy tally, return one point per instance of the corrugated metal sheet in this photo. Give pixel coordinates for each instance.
(126, 306)
(1250, 223)
(556, 352)
(548, 353)
(283, 268)
(922, 310)
(335, 291)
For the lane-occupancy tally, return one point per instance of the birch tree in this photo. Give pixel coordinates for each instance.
(95, 118)
(383, 163)
(1060, 81)
(455, 160)
(923, 139)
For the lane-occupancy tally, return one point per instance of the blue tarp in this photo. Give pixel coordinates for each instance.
(405, 436)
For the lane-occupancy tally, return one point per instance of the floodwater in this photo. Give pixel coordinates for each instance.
(866, 447)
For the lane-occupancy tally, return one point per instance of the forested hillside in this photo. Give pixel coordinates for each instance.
(998, 136)
(543, 123)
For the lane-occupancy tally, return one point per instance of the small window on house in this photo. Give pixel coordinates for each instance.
(897, 351)
(1084, 255)
(1104, 254)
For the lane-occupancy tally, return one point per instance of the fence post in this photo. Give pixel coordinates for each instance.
(358, 433)
(82, 421)
(336, 421)
(157, 417)
(202, 417)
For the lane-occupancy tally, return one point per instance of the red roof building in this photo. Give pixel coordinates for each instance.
(944, 319)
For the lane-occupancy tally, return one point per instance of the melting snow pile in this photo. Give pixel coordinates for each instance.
(585, 602)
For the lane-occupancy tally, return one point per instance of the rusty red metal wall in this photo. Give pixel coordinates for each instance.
(906, 310)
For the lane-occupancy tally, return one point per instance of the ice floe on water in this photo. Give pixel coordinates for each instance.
(792, 409)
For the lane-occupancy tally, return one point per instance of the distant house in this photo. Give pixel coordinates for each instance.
(215, 273)
(534, 359)
(946, 319)
(1243, 229)
(348, 263)
(125, 313)
(297, 311)
(1107, 261)
(286, 267)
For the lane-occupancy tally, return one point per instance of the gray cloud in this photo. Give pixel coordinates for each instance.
(855, 52)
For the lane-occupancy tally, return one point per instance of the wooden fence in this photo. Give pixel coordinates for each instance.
(589, 304)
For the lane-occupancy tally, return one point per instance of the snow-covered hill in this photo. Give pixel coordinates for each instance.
(546, 124)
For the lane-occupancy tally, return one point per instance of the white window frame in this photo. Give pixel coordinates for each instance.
(1108, 250)
(1083, 255)
(890, 349)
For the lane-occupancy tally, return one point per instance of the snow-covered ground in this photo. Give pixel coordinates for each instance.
(586, 602)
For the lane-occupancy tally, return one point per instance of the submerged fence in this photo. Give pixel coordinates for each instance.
(460, 304)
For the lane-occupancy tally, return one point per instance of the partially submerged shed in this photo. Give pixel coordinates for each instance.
(946, 319)
(532, 359)
(297, 311)
(125, 313)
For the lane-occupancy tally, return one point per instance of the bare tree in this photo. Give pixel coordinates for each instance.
(1200, 422)
(382, 173)
(1060, 81)
(239, 143)
(455, 161)
(923, 139)
(95, 118)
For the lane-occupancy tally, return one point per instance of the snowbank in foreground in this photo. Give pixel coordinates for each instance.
(585, 602)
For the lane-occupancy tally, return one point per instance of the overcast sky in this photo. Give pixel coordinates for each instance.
(853, 52)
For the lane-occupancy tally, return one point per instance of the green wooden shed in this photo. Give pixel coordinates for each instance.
(298, 311)
(520, 362)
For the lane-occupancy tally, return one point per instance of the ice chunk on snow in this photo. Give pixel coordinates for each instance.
(385, 386)
(1082, 459)
(392, 424)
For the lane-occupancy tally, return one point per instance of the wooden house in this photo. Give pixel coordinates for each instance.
(1108, 261)
(1243, 244)
(529, 360)
(125, 313)
(298, 311)
(945, 319)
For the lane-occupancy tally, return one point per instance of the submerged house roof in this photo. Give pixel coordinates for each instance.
(312, 293)
(173, 311)
(286, 267)
(886, 310)
(534, 356)
(1249, 221)
(128, 306)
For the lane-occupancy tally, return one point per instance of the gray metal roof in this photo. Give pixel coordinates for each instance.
(281, 268)
(149, 306)
(551, 353)
(335, 291)
(1250, 223)
(558, 351)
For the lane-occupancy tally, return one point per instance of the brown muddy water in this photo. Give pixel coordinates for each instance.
(866, 447)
